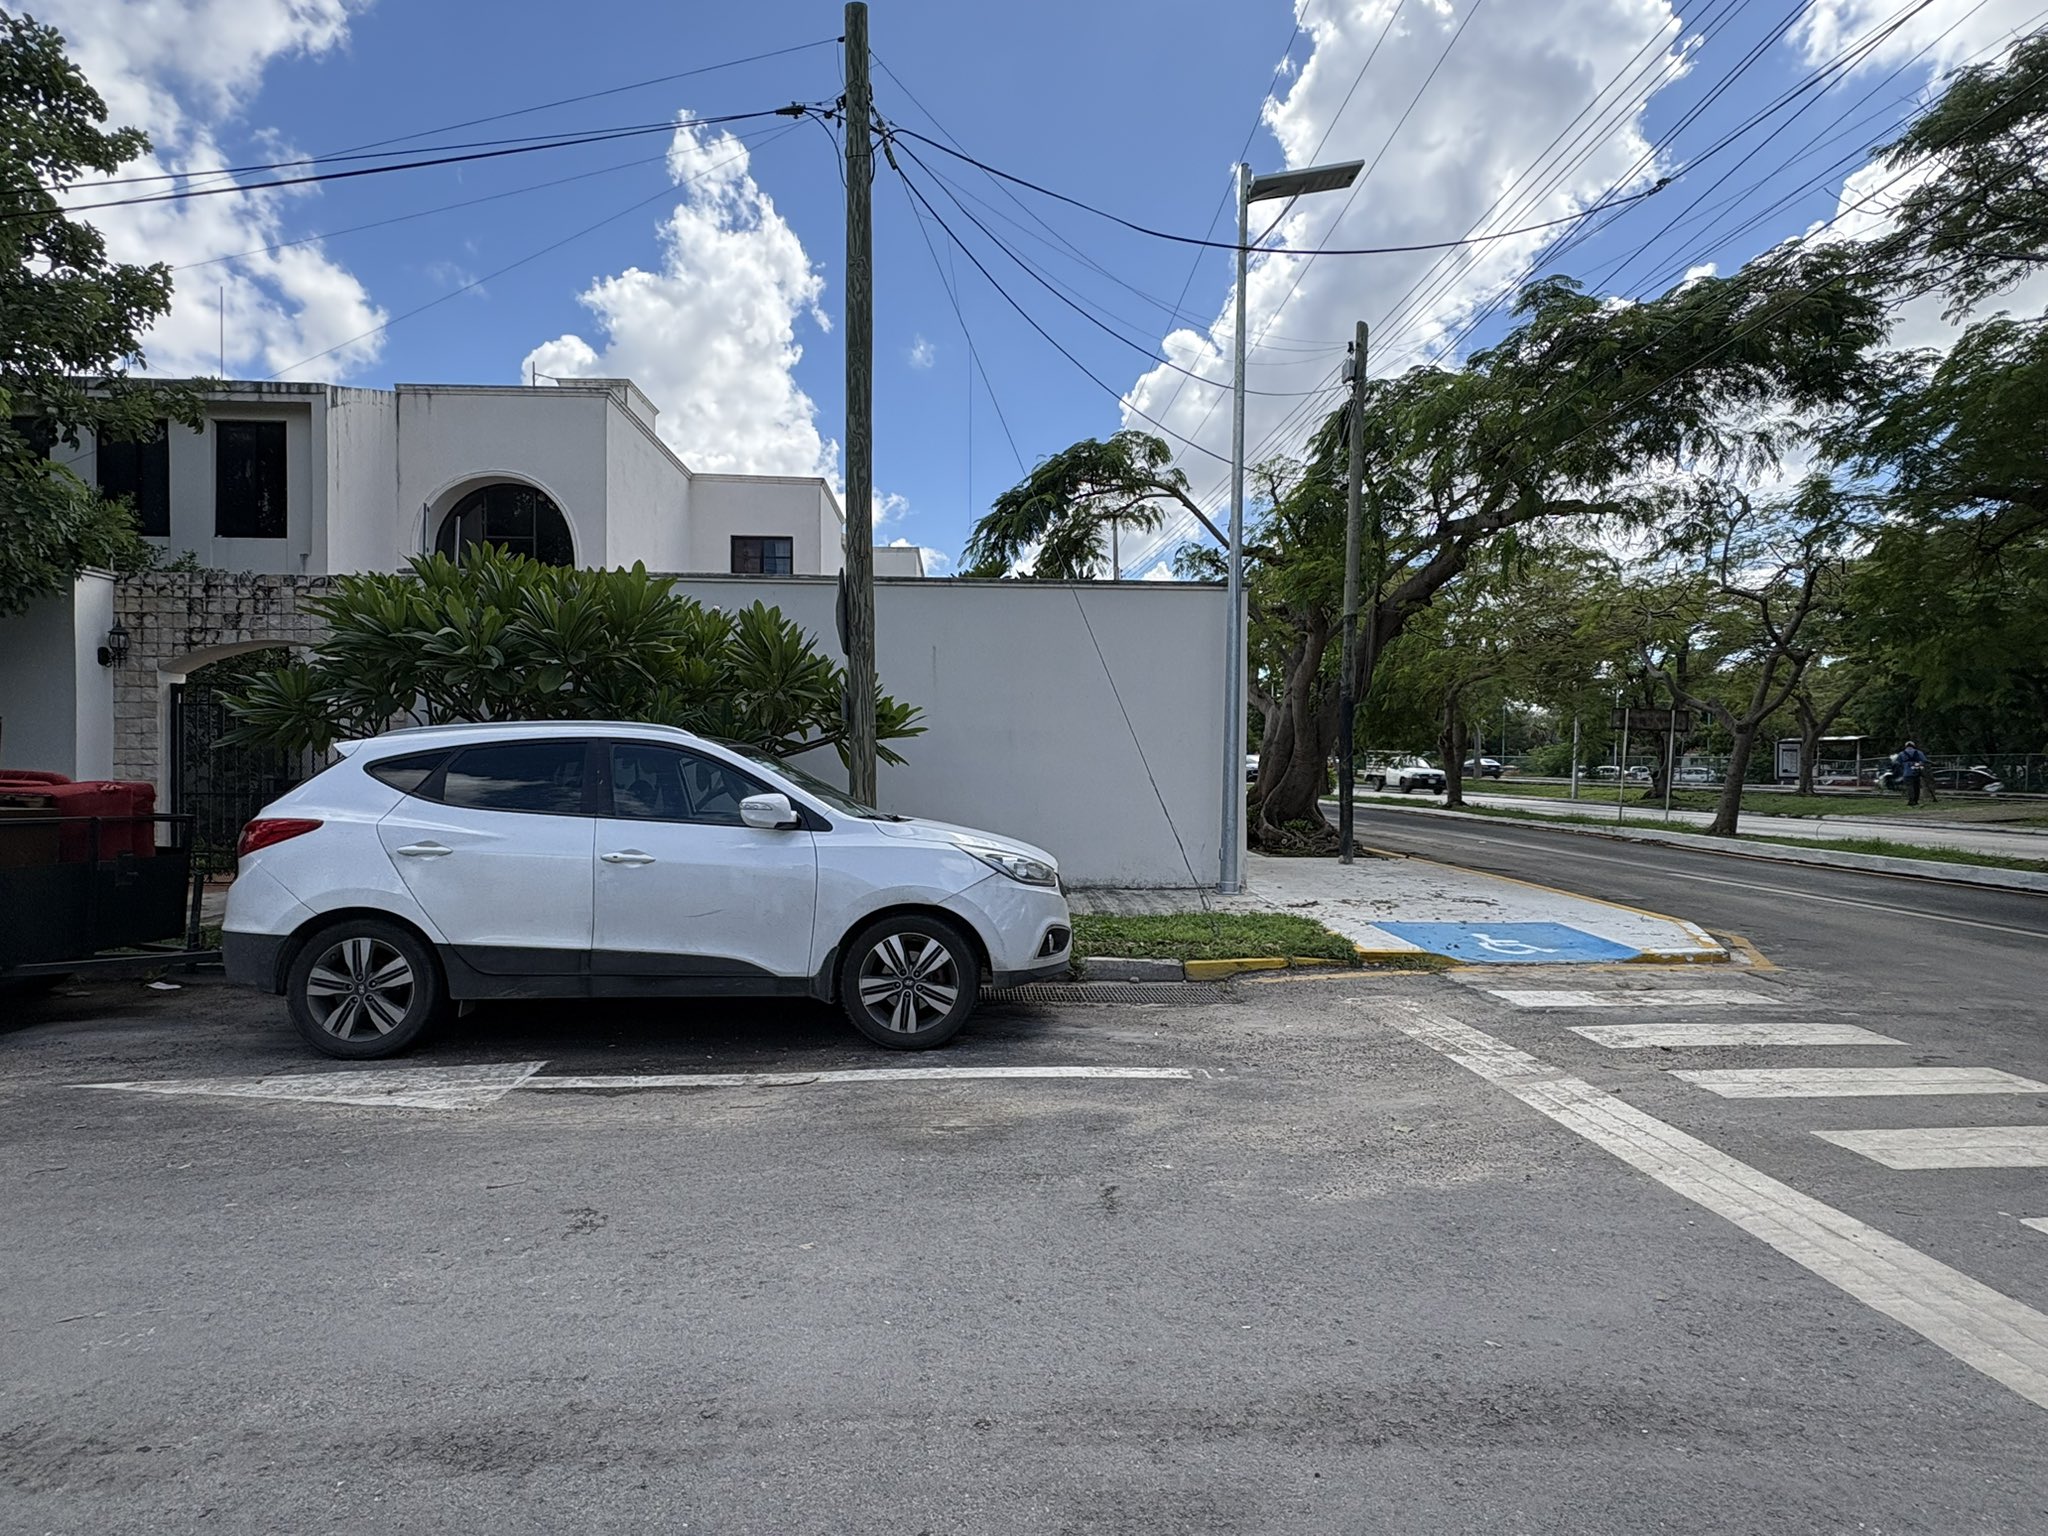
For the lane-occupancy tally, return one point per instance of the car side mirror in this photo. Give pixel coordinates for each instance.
(769, 813)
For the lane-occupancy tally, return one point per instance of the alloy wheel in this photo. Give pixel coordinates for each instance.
(360, 987)
(908, 982)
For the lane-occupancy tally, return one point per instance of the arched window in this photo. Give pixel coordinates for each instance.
(517, 518)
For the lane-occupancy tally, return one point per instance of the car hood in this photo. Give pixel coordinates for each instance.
(917, 829)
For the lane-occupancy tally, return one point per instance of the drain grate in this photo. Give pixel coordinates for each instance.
(1174, 994)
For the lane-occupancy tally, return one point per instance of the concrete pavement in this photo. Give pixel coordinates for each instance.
(1403, 904)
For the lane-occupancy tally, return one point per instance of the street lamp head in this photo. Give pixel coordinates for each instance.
(1313, 178)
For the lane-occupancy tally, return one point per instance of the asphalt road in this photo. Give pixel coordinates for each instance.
(1359, 1271)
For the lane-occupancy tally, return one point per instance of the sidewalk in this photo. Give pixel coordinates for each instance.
(1394, 905)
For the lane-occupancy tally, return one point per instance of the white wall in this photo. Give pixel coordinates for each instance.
(1099, 747)
(454, 438)
(800, 510)
(367, 527)
(647, 493)
(898, 560)
(56, 700)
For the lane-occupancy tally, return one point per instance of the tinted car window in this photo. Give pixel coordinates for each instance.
(535, 776)
(407, 773)
(651, 783)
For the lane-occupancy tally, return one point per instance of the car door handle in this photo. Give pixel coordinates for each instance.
(424, 850)
(627, 856)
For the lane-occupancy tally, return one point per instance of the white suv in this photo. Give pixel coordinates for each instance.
(591, 859)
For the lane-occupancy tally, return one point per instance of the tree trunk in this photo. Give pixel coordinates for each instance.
(1452, 744)
(1729, 810)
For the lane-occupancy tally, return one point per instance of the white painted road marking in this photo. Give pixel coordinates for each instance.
(2005, 1339)
(1966, 1146)
(2038, 1223)
(1632, 1037)
(398, 1088)
(858, 1075)
(1856, 1082)
(1670, 997)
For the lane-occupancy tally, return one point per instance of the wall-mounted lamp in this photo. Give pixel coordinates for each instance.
(115, 651)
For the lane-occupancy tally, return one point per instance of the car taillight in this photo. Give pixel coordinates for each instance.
(264, 831)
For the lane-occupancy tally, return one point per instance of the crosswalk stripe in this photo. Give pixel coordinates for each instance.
(1856, 1082)
(2005, 1339)
(1672, 997)
(1631, 1037)
(1963, 1146)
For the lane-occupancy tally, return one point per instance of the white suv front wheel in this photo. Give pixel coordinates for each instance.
(909, 982)
(363, 988)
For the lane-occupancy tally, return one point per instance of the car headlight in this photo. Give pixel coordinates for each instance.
(1019, 867)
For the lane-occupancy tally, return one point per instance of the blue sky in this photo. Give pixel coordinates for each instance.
(722, 296)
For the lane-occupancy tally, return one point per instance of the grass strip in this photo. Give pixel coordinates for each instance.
(1208, 936)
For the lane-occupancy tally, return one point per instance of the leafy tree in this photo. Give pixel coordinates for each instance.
(503, 637)
(1743, 624)
(1979, 223)
(69, 323)
(1069, 507)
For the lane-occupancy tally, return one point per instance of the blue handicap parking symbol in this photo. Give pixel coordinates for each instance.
(1509, 943)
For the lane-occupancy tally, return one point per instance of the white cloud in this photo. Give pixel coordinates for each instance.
(1517, 76)
(922, 353)
(183, 70)
(1160, 572)
(1952, 31)
(711, 335)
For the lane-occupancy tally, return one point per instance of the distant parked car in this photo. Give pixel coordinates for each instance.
(1484, 768)
(1251, 767)
(1608, 772)
(1696, 776)
(1639, 775)
(1405, 774)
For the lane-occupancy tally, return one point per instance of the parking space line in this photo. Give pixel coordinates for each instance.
(1985, 1329)
(1670, 997)
(638, 1080)
(1959, 1146)
(1632, 1037)
(1856, 1082)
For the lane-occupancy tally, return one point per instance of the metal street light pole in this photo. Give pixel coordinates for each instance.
(1250, 189)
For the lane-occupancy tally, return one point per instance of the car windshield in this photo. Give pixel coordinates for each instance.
(810, 784)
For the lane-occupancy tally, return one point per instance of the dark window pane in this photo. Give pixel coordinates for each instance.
(516, 518)
(754, 556)
(407, 773)
(652, 783)
(543, 776)
(249, 480)
(36, 432)
(140, 473)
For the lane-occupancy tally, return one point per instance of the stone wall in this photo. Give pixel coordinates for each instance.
(178, 622)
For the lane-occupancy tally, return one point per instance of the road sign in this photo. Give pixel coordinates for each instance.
(1655, 720)
(1509, 943)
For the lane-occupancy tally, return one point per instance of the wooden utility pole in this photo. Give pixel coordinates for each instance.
(1347, 701)
(858, 578)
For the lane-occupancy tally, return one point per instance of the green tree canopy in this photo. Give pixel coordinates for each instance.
(503, 637)
(70, 320)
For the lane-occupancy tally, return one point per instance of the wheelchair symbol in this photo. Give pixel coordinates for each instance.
(1488, 942)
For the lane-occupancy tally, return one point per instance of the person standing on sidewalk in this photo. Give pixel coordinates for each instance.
(1912, 769)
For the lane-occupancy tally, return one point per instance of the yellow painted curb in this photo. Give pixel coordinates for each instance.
(1678, 957)
(1216, 970)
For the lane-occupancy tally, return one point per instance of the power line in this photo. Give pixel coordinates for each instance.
(669, 126)
(510, 266)
(358, 151)
(1108, 330)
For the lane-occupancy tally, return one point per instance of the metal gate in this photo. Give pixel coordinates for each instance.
(222, 786)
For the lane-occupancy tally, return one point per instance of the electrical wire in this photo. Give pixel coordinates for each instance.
(669, 126)
(357, 151)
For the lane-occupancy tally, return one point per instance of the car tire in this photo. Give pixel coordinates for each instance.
(364, 988)
(909, 982)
